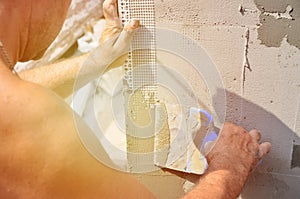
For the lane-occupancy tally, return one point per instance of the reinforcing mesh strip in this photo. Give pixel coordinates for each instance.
(141, 67)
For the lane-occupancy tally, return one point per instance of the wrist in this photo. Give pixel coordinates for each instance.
(227, 182)
(223, 161)
(232, 173)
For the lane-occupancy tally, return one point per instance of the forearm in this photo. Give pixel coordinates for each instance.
(59, 77)
(66, 76)
(218, 184)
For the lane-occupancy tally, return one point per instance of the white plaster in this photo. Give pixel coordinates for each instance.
(91, 40)
(244, 10)
(188, 186)
(57, 52)
(281, 15)
(73, 4)
(297, 119)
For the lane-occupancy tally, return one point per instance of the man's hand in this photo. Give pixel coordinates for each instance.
(115, 43)
(237, 150)
(113, 36)
(113, 24)
(114, 47)
(235, 154)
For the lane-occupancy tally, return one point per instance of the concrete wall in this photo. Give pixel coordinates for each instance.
(255, 44)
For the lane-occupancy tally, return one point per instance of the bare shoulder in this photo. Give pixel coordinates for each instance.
(27, 106)
(42, 155)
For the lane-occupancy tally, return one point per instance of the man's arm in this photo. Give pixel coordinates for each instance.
(112, 51)
(59, 77)
(234, 156)
(44, 149)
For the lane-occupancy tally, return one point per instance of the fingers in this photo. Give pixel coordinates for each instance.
(110, 11)
(264, 149)
(235, 145)
(255, 135)
(126, 35)
(113, 24)
(132, 25)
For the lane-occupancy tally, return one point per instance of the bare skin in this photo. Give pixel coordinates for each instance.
(235, 154)
(41, 154)
(60, 77)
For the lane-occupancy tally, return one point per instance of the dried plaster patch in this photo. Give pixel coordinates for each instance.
(279, 20)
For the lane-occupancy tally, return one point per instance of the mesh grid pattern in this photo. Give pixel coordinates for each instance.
(140, 67)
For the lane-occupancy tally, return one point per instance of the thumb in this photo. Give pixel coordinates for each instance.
(124, 40)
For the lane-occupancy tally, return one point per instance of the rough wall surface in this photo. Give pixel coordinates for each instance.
(255, 46)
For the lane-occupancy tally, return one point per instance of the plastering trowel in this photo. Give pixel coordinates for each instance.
(180, 143)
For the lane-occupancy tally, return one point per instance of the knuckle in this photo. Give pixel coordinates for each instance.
(253, 148)
(256, 146)
(241, 129)
(233, 127)
(114, 30)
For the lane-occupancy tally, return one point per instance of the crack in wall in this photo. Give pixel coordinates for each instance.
(246, 63)
(244, 10)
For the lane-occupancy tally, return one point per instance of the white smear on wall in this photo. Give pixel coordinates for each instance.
(281, 15)
(297, 119)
